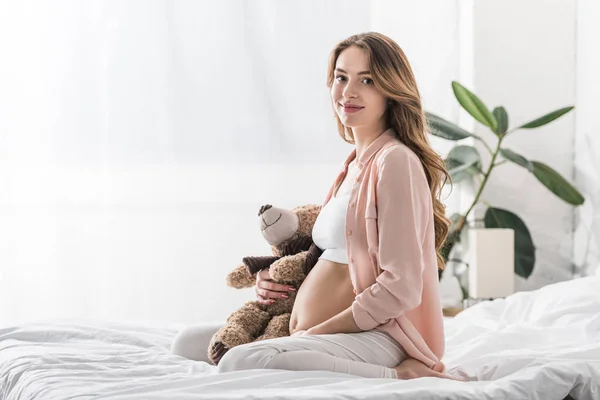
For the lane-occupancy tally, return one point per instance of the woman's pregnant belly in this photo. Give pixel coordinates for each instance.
(325, 292)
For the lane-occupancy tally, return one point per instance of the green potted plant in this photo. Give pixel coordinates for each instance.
(464, 163)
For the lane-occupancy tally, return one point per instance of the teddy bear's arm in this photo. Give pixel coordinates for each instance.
(312, 256)
(296, 267)
(257, 264)
(245, 275)
(240, 278)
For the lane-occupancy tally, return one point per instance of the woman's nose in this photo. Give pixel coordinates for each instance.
(349, 91)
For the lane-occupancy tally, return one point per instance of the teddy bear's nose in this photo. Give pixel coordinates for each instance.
(263, 209)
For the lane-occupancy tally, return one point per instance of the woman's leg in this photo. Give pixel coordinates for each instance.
(371, 354)
(192, 341)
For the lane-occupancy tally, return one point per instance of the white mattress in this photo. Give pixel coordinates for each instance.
(537, 345)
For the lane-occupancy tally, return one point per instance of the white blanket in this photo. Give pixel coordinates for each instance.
(536, 345)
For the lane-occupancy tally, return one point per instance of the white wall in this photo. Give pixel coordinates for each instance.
(138, 141)
(587, 129)
(524, 54)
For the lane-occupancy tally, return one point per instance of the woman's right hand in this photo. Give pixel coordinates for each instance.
(268, 291)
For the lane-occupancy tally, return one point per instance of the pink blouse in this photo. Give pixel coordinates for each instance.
(390, 242)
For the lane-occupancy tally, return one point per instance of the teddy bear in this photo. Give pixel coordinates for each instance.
(289, 232)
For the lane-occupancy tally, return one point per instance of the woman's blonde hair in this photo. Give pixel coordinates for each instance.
(393, 76)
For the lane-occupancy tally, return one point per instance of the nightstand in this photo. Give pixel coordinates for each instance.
(451, 311)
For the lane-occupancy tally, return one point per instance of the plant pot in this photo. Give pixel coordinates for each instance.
(491, 260)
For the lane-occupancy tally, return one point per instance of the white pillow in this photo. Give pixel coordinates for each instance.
(575, 296)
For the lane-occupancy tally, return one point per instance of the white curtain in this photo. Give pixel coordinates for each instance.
(139, 138)
(587, 141)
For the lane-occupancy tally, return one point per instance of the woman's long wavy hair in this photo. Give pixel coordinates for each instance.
(393, 76)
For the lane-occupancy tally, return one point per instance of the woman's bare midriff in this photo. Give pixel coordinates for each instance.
(325, 292)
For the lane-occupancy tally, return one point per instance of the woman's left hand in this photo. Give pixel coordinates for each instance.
(314, 331)
(311, 331)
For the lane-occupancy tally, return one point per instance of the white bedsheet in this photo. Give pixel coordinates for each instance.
(536, 345)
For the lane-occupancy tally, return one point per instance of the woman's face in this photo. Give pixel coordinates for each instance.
(357, 102)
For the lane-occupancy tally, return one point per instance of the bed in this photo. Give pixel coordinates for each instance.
(543, 344)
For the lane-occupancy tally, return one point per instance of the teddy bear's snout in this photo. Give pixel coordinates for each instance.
(269, 217)
(277, 224)
(263, 209)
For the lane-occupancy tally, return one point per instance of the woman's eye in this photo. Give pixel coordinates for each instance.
(341, 78)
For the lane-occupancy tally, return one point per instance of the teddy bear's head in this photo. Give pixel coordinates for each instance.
(283, 228)
(288, 232)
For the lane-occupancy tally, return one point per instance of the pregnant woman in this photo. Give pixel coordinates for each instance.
(371, 305)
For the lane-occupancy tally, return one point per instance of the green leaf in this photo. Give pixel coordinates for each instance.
(463, 173)
(524, 248)
(502, 118)
(517, 159)
(463, 162)
(445, 129)
(474, 106)
(557, 184)
(547, 118)
(465, 154)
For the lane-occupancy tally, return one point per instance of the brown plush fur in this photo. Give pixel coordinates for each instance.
(307, 216)
(239, 278)
(255, 321)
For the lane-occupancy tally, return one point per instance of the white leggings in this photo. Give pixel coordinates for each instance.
(371, 354)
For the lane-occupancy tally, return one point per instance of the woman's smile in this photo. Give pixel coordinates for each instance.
(350, 108)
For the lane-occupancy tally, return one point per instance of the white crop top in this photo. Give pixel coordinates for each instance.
(329, 230)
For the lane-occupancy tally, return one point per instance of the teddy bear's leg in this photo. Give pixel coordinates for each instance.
(279, 326)
(242, 326)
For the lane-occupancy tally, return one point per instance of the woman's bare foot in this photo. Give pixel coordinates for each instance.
(411, 369)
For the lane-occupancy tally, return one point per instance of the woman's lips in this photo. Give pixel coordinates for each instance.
(351, 109)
